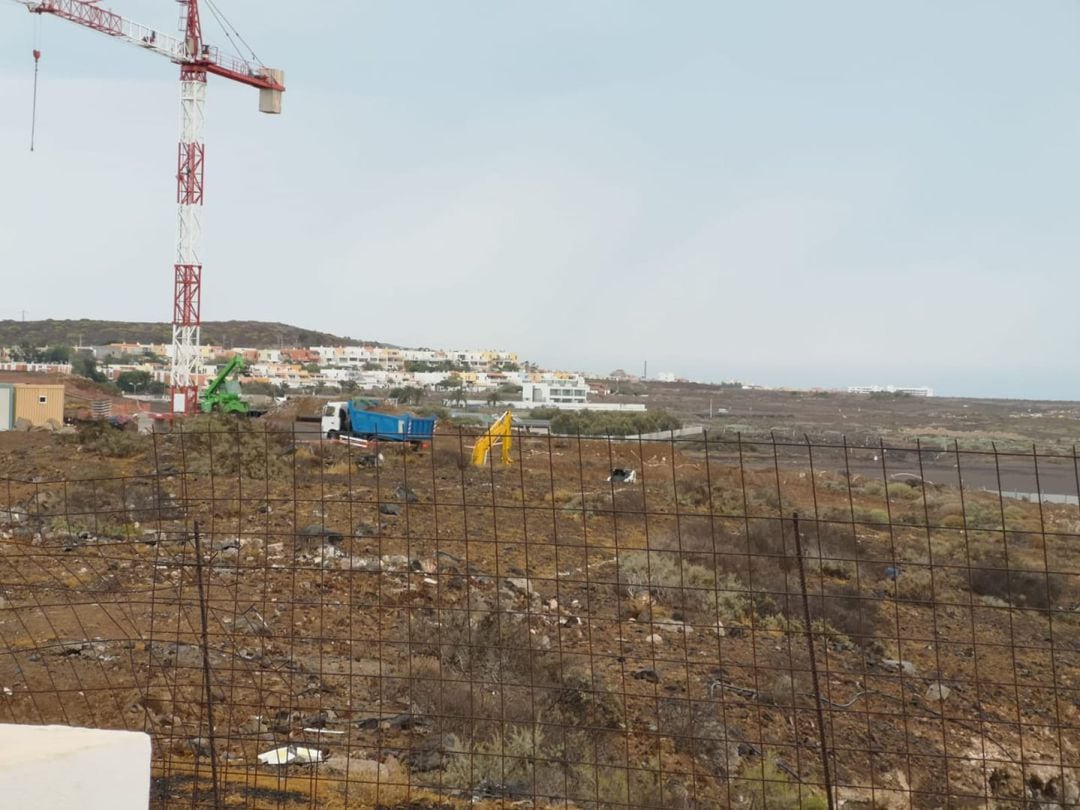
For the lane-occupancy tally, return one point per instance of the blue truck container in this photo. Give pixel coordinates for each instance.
(355, 419)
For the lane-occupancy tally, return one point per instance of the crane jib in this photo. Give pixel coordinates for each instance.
(99, 19)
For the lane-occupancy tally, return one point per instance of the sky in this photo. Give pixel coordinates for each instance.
(784, 192)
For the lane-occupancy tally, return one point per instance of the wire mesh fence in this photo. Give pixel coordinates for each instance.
(690, 623)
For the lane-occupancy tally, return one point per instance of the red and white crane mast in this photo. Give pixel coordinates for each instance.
(196, 60)
(190, 176)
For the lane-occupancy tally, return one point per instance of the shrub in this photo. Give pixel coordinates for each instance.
(514, 762)
(609, 423)
(763, 784)
(1027, 589)
(103, 438)
(617, 786)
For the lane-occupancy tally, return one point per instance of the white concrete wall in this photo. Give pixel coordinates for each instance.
(60, 768)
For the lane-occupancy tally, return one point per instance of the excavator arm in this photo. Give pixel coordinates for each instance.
(235, 364)
(500, 433)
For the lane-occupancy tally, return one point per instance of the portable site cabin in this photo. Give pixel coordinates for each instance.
(7, 406)
(39, 404)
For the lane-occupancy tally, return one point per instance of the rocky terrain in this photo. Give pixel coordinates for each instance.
(415, 632)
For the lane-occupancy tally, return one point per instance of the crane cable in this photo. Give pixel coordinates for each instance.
(223, 21)
(37, 60)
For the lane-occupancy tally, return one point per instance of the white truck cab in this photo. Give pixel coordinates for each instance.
(335, 419)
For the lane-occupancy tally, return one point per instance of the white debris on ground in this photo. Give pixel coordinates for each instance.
(291, 755)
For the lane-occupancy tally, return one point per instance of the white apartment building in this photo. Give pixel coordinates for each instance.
(890, 389)
(556, 391)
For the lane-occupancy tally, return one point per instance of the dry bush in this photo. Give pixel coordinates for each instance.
(696, 729)
(488, 667)
(617, 786)
(668, 578)
(694, 494)
(629, 502)
(1023, 589)
(771, 570)
(762, 784)
(233, 445)
(514, 762)
(446, 459)
(493, 645)
(709, 571)
(489, 690)
(105, 439)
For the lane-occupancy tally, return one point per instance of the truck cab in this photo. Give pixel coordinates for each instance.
(335, 419)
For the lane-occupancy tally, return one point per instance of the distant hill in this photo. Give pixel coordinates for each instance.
(249, 334)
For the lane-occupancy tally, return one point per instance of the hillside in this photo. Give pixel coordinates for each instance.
(254, 334)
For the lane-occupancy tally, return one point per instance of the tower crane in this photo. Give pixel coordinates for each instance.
(196, 59)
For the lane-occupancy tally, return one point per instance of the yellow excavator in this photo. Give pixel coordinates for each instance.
(498, 433)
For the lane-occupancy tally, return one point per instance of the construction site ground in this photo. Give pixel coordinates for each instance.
(445, 635)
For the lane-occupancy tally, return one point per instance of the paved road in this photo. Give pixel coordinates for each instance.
(1057, 478)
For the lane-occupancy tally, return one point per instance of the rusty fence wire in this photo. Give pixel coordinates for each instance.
(604, 623)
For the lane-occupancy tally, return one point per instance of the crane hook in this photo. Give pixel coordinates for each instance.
(33, 115)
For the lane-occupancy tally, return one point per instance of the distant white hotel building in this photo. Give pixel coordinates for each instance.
(556, 391)
(890, 389)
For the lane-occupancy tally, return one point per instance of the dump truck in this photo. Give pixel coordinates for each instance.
(357, 419)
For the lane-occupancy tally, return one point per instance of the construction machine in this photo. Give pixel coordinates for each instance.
(498, 434)
(357, 419)
(222, 395)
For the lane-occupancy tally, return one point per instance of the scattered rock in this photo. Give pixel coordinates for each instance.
(395, 562)
(369, 564)
(938, 692)
(251, 622)
(370, 460)
(365, 530)
(445, 558)
(403, 493)
(255, 726)
(184, 656)
(319, 719)
(894, 665)
(389, 509)
(316, 534)
(1052, 787)
(655, 638)
(518, 585)
(649, 675)
(326, 554)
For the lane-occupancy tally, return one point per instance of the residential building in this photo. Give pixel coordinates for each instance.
(555, 390)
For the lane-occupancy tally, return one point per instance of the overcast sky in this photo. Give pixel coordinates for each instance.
(803, 193)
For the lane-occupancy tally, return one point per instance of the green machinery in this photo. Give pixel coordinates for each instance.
(221, 396)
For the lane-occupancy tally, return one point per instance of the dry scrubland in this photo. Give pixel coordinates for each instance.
(535, 633)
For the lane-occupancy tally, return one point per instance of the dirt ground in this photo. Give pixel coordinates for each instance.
(538, 635)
